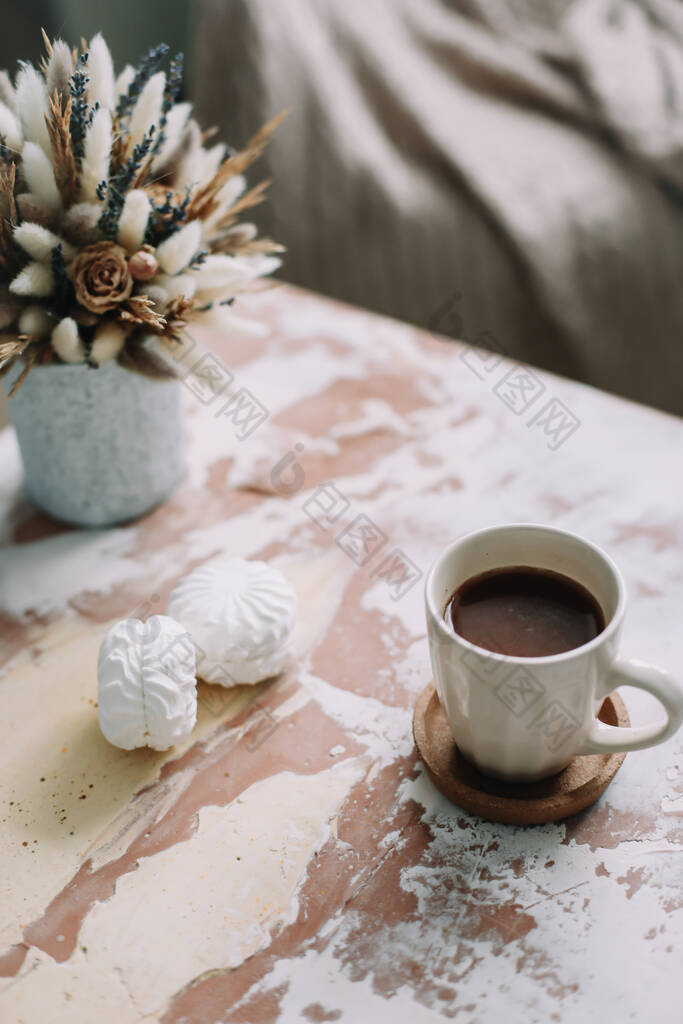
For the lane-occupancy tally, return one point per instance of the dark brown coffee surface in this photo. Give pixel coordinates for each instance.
(524, 612)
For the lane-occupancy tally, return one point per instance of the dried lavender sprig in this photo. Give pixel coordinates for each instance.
(175, 79)
(79, 107)
(147, 67)
(63, 290)
(171, 92)
(199, 258)
(120, 184)
(167, 218)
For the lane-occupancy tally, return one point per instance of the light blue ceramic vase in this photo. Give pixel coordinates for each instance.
(99, 446)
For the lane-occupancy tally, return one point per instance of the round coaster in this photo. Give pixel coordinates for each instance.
(514, 803)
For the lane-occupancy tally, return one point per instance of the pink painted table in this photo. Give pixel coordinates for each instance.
(292, 862)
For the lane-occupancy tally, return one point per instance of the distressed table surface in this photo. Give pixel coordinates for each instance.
(292, 862)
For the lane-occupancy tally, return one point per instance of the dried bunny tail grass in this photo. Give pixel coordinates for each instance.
(96, 153)
(33, 106)
(108, 342)
(213, 158)
(176, 121)
(35, 280)
(133, 220)
(10, 129)
(40, 177)
(217, 276)
(80, 224)
(176, 252)
(34, 322)
(102, 86)
(124, 82)
(223, 318)
(29, 207)
(139, 358)
(9, 308)
(242, 240)
(189, 169)
(7, 94)
(39, 242)
(147, 110)
(180, 285)
(205, 198)
(241, 267)
(244, 232)
(59, 69)
(66, 341)
(225, 198)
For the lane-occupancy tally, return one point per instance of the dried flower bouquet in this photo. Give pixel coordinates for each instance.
(117, 221)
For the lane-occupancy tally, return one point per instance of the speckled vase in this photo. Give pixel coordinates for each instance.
(99, 446)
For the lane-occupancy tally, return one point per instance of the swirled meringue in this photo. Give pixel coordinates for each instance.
(147, 692)
(241, 616)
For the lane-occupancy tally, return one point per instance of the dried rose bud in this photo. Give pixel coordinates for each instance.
(143, 265)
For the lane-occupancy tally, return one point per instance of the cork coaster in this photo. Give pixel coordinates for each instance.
(577, 787)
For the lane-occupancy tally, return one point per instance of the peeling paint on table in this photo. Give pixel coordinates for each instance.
(292, 862)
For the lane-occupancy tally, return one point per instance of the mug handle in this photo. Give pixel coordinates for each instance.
(604, 739)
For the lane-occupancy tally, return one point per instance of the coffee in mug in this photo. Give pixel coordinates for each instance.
(525, 612)
(523, 624)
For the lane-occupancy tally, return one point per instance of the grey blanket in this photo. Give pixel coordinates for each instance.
(509, 171)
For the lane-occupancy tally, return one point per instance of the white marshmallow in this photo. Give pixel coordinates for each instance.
(147, 691)
(241, 616)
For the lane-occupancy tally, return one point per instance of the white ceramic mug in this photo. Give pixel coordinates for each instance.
(522, 719)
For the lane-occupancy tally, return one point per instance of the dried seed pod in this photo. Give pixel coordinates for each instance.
(143, 265)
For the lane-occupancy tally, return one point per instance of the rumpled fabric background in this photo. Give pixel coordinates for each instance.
(507, 171)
